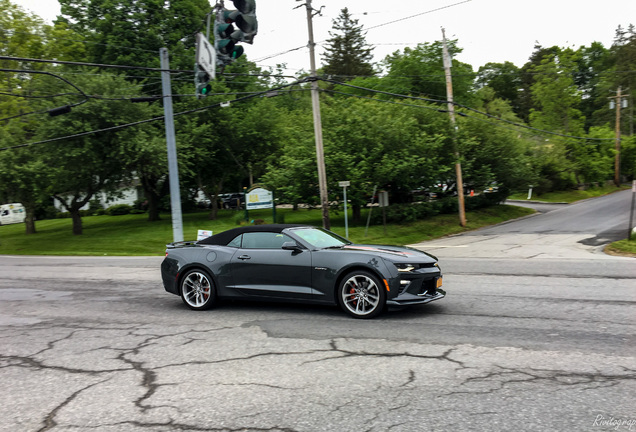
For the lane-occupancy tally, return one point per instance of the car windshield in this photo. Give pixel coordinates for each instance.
(320, 238)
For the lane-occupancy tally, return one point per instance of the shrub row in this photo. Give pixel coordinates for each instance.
(400, 213)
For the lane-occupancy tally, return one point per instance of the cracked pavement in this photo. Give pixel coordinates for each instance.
(95, 344)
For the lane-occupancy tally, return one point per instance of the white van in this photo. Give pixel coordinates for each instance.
(12, 213)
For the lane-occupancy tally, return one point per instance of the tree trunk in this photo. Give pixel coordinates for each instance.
(77, 221)
(29, 222)
(153, 206)
(213, 196)
(357, 212)
(214, 208)
(154, 190)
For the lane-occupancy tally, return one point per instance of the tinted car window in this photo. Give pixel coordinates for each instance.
(264, 240)
(321, 238)
(236, 242)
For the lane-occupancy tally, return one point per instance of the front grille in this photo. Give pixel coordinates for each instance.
(418, 287)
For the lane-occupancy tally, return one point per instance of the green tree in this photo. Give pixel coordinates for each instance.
(591, 78)
(23, 174)
(504, 79)
(557, 96)
(21, 35)
(83, 166)
(222, 148)
(526, 99)
(493, 151)
(130, 32)
(420, 71)
(347, 53)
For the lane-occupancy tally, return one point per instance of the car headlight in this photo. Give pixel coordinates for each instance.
(405, 268)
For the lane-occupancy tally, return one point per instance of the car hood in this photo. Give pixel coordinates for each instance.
(393, 253)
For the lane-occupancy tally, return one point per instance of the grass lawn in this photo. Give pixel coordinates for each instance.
(134, 235)
(623, 247)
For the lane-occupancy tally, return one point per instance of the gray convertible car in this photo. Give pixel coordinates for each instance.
(299, 263)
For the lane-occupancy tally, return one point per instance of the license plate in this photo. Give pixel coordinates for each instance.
(438, 282)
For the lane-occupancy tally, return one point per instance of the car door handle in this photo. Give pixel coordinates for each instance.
(244, 257)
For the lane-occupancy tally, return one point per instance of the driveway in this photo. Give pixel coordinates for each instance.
(578, 230)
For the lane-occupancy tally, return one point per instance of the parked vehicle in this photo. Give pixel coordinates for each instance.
(299, 263)
(234, 201)
(12, 213)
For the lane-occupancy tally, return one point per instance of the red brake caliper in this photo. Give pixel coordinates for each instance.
(353, 291)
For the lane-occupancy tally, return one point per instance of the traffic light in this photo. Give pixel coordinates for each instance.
(202, 82)
(227, 36)
(225, 41)
(245, 19)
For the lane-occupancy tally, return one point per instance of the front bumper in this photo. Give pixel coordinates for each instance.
(419, 287)
(406, 299)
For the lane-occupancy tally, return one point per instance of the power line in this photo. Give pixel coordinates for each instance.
(379, 25)
(100, 65)
(465, 107)
(112, 128)
(54, 111)
(419, 14)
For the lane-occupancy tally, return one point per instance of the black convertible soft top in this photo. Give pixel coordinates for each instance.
(222, 239)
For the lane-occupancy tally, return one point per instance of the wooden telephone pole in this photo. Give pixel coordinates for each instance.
(451, 113)
(315, 102)
(617, 159)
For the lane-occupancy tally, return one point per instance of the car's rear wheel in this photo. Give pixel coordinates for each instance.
(361, 294)
(197, 290)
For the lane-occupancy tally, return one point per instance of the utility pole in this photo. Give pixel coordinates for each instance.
(451, 113)
(173, 167)
(618, 103)
(315, 103)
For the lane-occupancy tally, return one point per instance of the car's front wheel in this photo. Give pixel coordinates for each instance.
(361, 294)
(197, 290)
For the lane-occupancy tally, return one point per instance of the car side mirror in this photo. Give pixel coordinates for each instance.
(292, 246)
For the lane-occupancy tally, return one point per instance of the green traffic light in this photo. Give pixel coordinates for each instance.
(237, 51)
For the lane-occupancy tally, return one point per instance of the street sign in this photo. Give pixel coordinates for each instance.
(259, 198)
(344, 184)
(383, 199)
(206, 55)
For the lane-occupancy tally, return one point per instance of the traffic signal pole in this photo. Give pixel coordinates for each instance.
(171, 142)
(315, 103)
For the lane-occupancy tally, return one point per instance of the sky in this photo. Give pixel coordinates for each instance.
(487, 30)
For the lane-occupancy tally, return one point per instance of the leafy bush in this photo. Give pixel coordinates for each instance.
(118, 210)
(402, 213)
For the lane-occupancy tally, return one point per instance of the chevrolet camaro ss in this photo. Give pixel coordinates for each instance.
(299, 263)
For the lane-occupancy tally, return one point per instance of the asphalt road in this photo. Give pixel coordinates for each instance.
(541, 340)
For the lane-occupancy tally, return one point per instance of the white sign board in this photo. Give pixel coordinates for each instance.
(383, 199)
(259, 198)
(344, 183)
(206, 55)
(203, 234)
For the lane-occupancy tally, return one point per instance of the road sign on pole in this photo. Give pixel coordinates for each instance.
(343, 185)
(631, 211)
(206, 55)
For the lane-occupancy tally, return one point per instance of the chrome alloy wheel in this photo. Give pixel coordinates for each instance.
(196, 290)
(361, 295)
